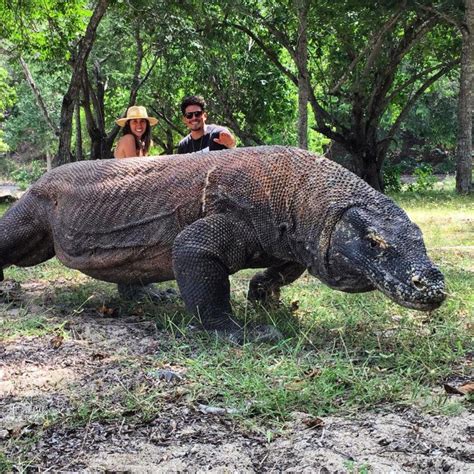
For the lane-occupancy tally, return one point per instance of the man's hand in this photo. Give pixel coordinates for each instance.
(226, 138)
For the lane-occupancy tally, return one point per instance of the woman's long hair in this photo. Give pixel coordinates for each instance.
(144, 143)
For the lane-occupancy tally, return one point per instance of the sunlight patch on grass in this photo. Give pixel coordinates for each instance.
(445, 218)
(21, 322)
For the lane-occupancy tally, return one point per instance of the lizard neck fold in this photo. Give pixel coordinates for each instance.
(312, 242)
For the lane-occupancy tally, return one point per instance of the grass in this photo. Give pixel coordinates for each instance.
(446, 219)
(5, 464)
(25, 324)
(342, 353)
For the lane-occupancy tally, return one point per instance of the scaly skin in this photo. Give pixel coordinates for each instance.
(200, 218)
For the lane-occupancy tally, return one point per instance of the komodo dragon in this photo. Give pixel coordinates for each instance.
(199, 218)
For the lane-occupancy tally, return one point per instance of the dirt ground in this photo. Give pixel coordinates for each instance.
(42, 377)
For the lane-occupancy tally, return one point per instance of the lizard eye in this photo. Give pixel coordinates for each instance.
(376, 240)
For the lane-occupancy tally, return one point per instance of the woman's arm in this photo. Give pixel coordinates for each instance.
(126, 147)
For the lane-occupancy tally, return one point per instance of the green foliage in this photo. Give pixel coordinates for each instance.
(392, 178)
(434, 118)
(5, 464)
(317, 141)
(7, 98)
(28, 174)
(46, 28)
(424, 179)
(3, 146)
(26, 131)
(6, 167)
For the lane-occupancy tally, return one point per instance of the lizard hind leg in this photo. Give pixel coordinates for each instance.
(25, 240)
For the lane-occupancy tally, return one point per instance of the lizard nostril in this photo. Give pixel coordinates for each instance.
(417, 283)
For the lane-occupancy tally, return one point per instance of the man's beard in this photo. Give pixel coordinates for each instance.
(197, 126)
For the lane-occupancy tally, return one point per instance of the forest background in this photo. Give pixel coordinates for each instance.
(384, 87)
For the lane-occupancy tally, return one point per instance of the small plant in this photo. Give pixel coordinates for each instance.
(27, 175)
(353, 468)
(424, 179)
(392, 178)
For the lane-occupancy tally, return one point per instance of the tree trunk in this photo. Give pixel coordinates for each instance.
(48, 161)
(367, 165)
(94, 111)
(79, 154)
(67, 108)
(302, 7)
(464, 145)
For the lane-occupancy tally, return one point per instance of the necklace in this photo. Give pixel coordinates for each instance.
(199, 147)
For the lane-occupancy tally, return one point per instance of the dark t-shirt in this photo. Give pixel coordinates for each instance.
(203, 144)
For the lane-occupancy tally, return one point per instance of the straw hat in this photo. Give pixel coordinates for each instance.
(136, 112)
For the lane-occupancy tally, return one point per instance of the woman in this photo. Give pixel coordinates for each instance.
(136, 135)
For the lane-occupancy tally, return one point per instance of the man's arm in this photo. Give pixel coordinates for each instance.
(226, 139)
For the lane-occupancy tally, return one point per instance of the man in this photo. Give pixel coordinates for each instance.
(202, 137)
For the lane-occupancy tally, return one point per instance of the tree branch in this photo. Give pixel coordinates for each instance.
(406, 109)
(267, 50)
(378, 43)
(38, 96)
(247, 138)
(442, 15)
(322, 118)
(166, 119)
(374, 46)
(414, 78)
(67, 108)
(413, 34)
(86, 104)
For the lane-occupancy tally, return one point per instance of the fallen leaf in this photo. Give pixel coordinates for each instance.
(313, 422)
(236, 351)
(57, 341)
(467, 388)
(452, 390)
(312, 373)
(106, 311)
(295, 386)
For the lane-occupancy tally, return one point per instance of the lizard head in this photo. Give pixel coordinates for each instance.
(381, 248)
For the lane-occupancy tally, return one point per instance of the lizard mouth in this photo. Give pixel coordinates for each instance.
(422, 294)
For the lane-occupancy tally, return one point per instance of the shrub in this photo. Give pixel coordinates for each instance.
(28, 174)
(424, 179)
(392, 178)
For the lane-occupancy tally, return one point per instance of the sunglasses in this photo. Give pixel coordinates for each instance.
(197, 114)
